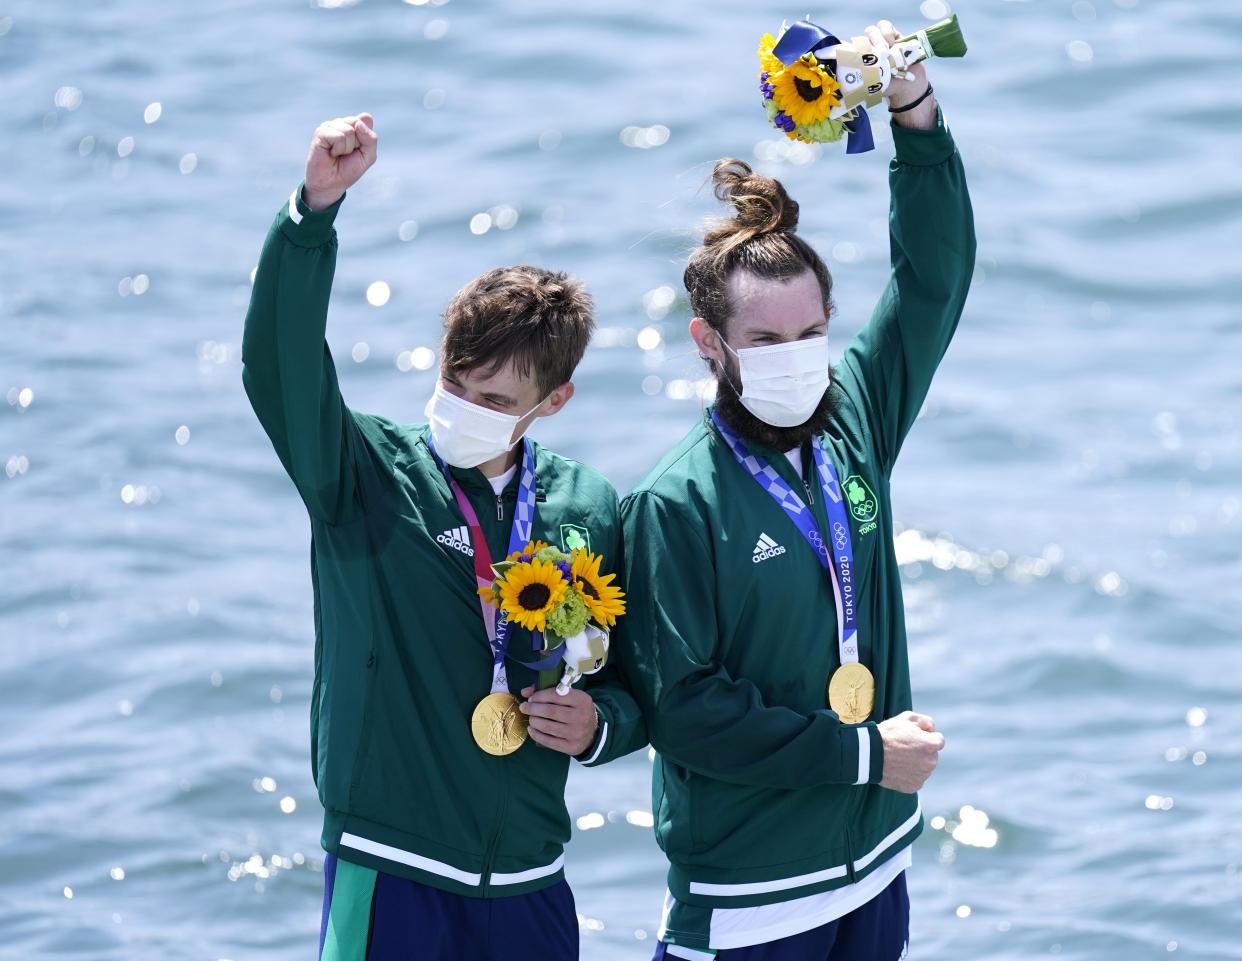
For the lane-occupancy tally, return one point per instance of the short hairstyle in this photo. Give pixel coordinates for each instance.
(541, 320)
(760, 239)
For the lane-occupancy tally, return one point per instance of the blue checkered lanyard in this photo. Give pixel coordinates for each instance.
(840, 562)
(498, 629)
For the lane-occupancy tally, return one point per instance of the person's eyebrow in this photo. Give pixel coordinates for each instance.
(504, 400)
(777, 336)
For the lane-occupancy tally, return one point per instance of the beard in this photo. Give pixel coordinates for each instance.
(751, 428)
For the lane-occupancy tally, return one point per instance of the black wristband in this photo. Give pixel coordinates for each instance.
(913, 103)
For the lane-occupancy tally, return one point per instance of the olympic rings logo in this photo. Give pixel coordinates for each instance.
(840, 536)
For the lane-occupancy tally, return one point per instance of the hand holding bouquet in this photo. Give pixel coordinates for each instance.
(816, 88)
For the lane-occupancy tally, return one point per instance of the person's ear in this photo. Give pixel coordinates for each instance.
(558, 399)
(707, 340)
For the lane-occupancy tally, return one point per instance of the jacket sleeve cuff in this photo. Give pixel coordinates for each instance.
(595, 752)
(306, 227)
(923, 148)
(868, 750)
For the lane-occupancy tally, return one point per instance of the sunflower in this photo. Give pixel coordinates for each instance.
(528, 592)
(605, 602)
(767, 59)
(530, 550)
(805, 92)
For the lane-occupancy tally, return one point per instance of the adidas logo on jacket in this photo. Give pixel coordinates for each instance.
(766, 549)
(458, 539)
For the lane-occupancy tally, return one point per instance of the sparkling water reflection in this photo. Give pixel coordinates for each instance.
(1068, 505)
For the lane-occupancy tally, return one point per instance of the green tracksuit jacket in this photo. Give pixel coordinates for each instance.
(761, 794)
(401, 657)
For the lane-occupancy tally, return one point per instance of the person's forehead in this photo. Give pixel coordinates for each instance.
(504, 379)
(757, 301)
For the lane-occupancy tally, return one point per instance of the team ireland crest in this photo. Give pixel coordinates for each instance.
(861, 498)
(575, 537)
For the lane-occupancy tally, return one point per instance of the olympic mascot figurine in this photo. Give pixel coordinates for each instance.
(816, 88)
(585, 653)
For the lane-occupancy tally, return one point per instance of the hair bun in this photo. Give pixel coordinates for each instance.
(761, 204)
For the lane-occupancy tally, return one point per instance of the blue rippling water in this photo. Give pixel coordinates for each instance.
(1069, 501)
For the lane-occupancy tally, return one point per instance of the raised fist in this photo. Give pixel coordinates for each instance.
(340, 153)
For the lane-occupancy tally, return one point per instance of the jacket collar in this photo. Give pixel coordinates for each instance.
(775, 457)
(472, 480)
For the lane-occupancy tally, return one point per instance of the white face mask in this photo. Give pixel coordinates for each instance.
(467, 435)
(784, 383)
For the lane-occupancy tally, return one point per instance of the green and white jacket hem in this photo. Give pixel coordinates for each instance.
(717, 929)
(738, 888)
(357, 841)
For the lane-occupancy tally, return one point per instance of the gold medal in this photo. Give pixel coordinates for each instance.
(851, 693)
(497, 724)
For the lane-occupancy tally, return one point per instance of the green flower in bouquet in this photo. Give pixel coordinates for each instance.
(570, 617)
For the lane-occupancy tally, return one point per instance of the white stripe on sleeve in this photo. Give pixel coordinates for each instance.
(864, 755)
(599, 748)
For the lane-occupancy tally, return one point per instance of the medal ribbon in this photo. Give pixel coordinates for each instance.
(838, 561)
(498, 628)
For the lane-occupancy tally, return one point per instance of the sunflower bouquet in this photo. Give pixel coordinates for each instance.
(815, 87)
(563, 599)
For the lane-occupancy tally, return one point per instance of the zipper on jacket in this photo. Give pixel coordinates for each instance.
(362, 756)
(849, 856)
(808, 456)
(852, 808)
(500, 507)
(490, 854)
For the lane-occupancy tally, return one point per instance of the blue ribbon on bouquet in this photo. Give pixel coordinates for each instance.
(804, 37)
(503, 626)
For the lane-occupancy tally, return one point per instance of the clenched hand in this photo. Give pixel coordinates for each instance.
(341, 151)
(912, 747)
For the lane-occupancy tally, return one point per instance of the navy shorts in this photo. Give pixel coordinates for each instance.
(372, 916)
(877, 931)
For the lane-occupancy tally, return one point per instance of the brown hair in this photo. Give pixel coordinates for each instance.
(760, 239)
(539, 319)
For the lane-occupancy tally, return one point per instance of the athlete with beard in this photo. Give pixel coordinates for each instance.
(766, 632)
